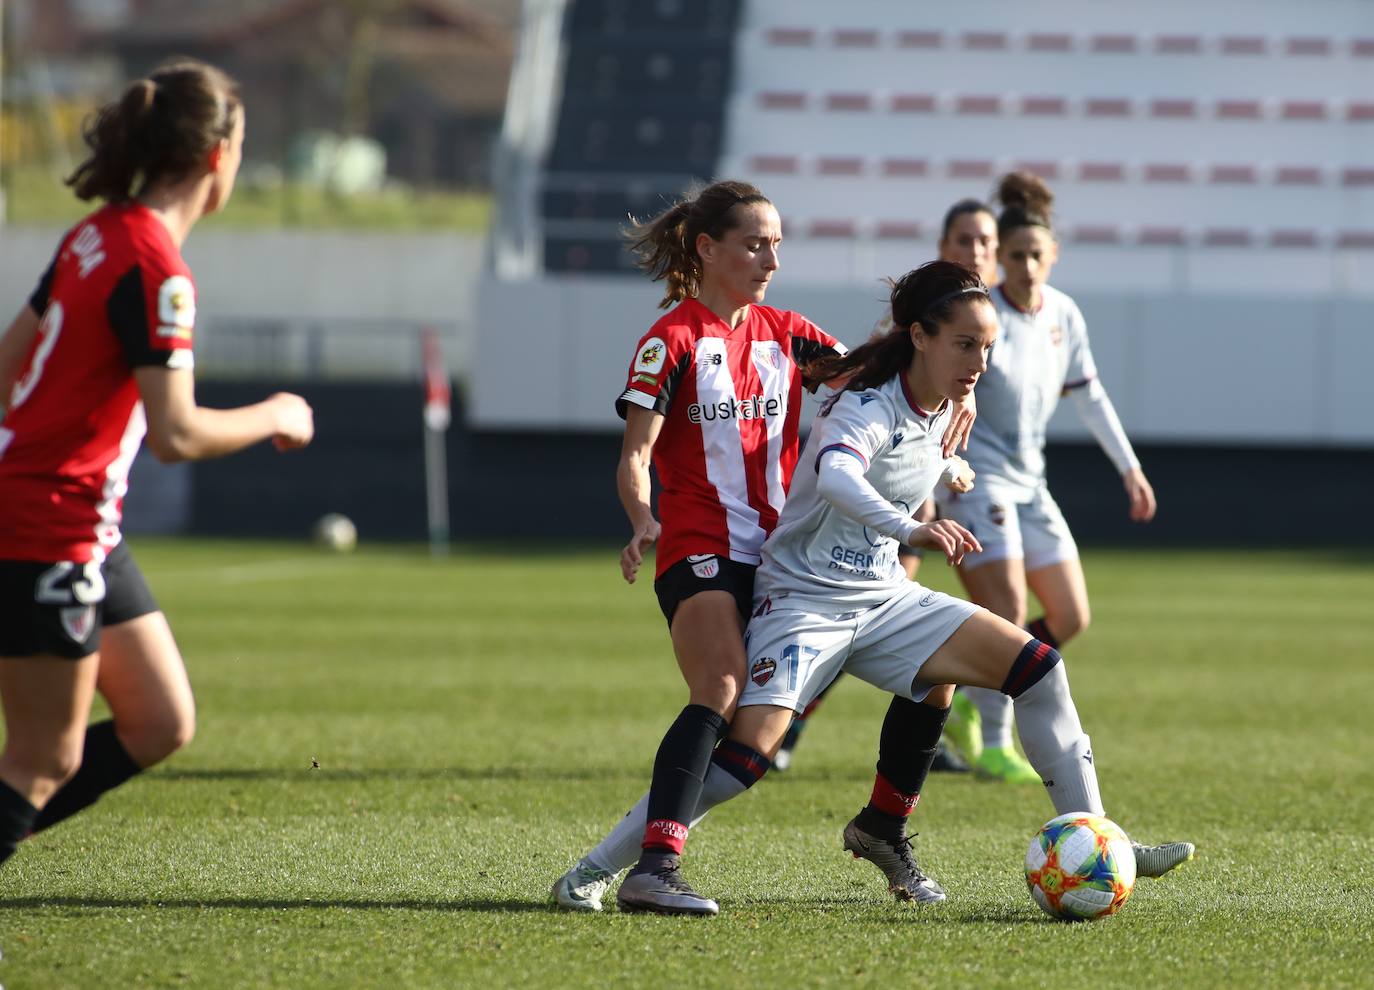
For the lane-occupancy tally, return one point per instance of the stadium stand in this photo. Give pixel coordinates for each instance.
(1193, 132)
(641, 117)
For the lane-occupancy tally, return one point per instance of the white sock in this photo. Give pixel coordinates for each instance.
(1055, 744)
(622, 846)
(995, 709)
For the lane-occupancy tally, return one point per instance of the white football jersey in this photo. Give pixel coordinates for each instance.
(1037, 358)
(819, 558)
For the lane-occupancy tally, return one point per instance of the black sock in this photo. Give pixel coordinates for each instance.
(680, 767)
(105, 764)
(1041, 631)
(16, 819)
(906, 748)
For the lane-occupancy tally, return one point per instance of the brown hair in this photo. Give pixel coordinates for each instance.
(927, 296)
(959, 209)
(1026, 202)
(162, 127)
(667, 244)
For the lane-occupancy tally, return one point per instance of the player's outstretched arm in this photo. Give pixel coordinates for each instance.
(14, 345)
(180, 430)
(632, 482)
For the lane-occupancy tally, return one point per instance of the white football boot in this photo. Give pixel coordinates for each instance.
(1155, 861)
(582, 887)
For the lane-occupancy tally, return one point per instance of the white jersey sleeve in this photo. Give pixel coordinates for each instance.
(840, 481)
(1081, 368)
(1099, 415)
(856, 423)
(873, 457)
(1090, 398)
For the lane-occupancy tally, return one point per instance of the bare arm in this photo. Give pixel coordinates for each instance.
(180, 430)
(13, 346)
(632, 483)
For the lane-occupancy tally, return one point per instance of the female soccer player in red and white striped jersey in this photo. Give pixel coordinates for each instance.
(713, 398)
(101, 354)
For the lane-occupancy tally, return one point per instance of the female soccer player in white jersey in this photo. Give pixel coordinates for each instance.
(1043, 353)
(102, 352)
(830, 594)
(968, 237)
(714, 398)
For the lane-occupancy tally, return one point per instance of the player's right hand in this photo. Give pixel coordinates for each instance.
(295, 421)
(948, 537)
(633, 554)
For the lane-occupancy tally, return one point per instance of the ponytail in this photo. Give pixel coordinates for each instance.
(1026, 202)
(927, 296)
(667, 244)
(161, 128)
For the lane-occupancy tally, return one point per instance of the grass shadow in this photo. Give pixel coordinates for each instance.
(363, 774)
(275, 904)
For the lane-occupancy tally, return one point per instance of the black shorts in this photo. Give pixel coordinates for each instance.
(58, 607)
(705, 572)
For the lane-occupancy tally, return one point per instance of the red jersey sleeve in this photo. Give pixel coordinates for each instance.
(663, 356)
(810, 342)
(152, 310)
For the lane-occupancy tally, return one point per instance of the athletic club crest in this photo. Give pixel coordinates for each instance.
(997, 513)
(77, 622)
(762, 671)
(707, 568)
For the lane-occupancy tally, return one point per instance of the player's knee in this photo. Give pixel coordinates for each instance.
(51, 766)
(1071, 621)
(940, 696)
(153, 740)
(718, 691)
(1008, 602)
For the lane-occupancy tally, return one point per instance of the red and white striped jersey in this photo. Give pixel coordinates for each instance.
(117, 296)
(731, 400)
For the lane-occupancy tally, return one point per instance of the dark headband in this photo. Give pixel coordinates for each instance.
(981, 290)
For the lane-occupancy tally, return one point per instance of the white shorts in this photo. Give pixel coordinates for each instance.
(794, 654)
(1012, 523)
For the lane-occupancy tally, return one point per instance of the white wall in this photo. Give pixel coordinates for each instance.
(554, 354)
(361, 295)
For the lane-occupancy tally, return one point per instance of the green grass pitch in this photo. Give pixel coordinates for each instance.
(478, 721)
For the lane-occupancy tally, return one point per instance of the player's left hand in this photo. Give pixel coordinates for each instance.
(1140, 493)
(633, 554)
(961, 417)
(958, 476)
(948, 537)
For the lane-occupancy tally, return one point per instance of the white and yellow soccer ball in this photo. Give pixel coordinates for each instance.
(336, 531)
(1080, 867)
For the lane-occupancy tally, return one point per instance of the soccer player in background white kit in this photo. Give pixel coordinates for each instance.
(830, 594)
(1042, 353)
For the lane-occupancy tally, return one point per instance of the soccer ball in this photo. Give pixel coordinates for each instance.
(1080, 867)
(337, 532)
